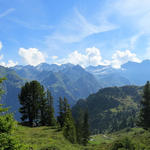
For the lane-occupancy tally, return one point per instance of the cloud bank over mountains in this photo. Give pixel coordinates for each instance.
(32, 56)
(10, 63)
(92, 56)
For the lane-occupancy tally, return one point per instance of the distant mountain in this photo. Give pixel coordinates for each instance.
(130, 73)
(27, 72)
(108, 76)
(11, 86)
(70, 81)
(137, 73)
(110, 109)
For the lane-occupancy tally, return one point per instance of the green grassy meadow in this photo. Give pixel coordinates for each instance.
(49, 138)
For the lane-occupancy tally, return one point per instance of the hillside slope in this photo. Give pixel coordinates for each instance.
(111, 109)
(44, 138)
(70, 81)
(48, 138)
(11, 86)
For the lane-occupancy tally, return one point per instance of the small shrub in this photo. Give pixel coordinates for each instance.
(8, 142)
(123, 144)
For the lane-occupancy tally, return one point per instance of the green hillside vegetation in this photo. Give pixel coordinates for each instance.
(113, 112)
(11, 87)
(44, 138)
(49, 138)
(137, 136)
(111, 109)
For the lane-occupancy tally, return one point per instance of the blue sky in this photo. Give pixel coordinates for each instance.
(85, 32)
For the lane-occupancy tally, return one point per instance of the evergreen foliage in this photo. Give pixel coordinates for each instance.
(7, 127)
(82, 128)
(51, 121)
(60, 118)
(85, 130)
(123, 144)
(37, 105)
(69, 130)
(145, 107)
(31, 96)
(110, 109)
(66, 121)
(78, 124)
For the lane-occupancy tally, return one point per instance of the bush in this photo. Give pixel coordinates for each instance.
(8, 142)
(7, 123)
(123, 144)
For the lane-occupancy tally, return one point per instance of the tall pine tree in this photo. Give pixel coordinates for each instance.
(145, 107)
(32, 93)
(79, 124)
(69, 129)
(42, 110)
(51, 121)
(60, 118)
(85, 129)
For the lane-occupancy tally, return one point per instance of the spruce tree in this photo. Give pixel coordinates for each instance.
(60, 118)
(69, 129)
(85, 129)
(145, 108)
(30, 97)
(78, 124)
(42, 110)
(50, 110)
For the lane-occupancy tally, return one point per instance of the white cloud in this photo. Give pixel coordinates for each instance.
(54, 57)
(121, 57)
(76, 27)
(134, 39)
(135, 12)
(8, 11)
(132, 7)
(92, 57)
(10, 63)
(32, 56)
(32, 25)
(1, 45)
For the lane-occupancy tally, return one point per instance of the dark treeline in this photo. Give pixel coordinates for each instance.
(36, 105)
(37, 110)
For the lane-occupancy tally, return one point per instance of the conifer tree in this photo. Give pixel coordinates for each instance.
(50, 110)
(85, 129)
(78, 124)
(69, 130)
(65, 105)
(145, 108)
(42, 110)
(32, 93)
(60, 118)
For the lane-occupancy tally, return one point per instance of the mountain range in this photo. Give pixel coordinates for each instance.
(71, 81)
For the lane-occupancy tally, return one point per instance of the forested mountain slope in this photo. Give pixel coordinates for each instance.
(11, 86)
(111, 109)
